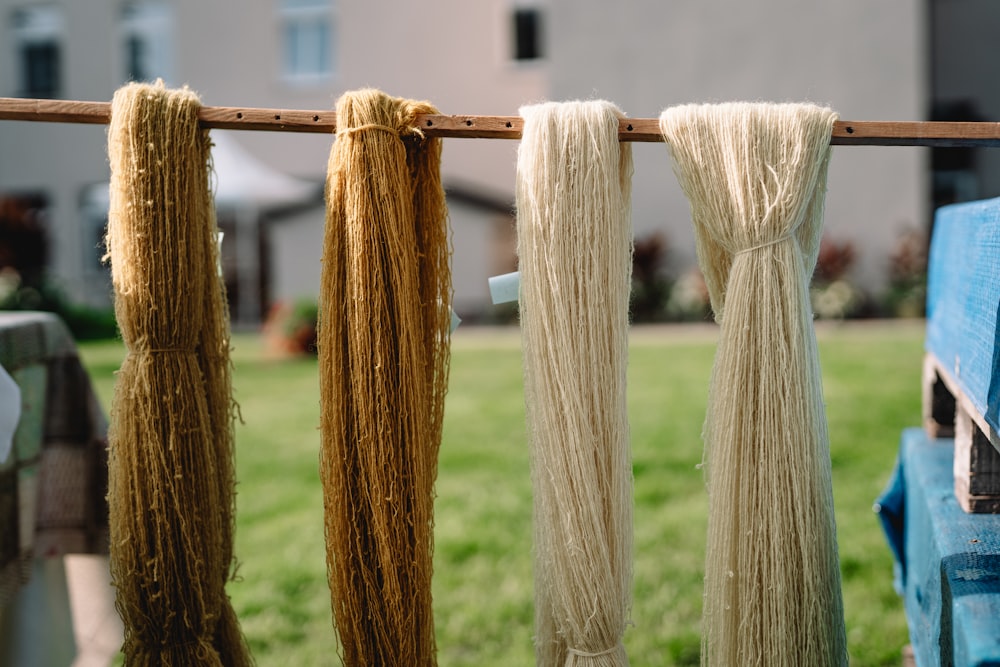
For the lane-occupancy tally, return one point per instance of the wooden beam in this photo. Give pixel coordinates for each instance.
(55, 111)
(915, 133)
(845, 133)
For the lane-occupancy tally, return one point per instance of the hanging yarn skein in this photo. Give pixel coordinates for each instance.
(575, 257)
(170, 464)
(755, 175)
(383, 344)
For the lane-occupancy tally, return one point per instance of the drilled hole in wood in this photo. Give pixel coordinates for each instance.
(277, 116)
(315, 119)
(429, 123)
(468, 123)
(239, 115)
(509, 124)
(849, 129)
(629, 128)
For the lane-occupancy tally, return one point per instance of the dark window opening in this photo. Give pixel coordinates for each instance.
(527, 34)
(40, 69)
(955, 170)
(137, 56)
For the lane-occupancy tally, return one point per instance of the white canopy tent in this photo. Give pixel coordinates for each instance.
(245, 188)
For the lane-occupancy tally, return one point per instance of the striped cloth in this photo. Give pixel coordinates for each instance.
(53, 485)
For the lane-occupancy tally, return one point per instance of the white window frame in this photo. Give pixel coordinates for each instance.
(39, 25)
(152, 24)
(305, 62)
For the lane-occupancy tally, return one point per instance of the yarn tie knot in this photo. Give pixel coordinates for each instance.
(593, 654)
(765, 244)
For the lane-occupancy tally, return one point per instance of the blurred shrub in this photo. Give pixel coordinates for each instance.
(84, 322)
(650, 281)
(24, 284)
(689, 300)
(833, 295)
(290, 328)
(907, 292)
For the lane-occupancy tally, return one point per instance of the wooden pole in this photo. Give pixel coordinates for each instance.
(845, 132)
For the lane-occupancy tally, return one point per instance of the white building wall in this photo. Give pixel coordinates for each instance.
(297, 246)
(863, 59)
(60, 160)
(296, 250)
(451, 52)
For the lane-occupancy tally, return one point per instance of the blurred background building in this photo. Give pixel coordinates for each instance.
(890, 60)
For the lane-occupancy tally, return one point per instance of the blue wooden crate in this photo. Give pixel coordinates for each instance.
(963, 300)
(949, 561)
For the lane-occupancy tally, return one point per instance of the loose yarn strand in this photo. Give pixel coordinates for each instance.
(755, 176)
(383, 354)
(170, 462)
(574, 249)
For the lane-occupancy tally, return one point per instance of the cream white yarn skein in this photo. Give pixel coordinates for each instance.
(755, 175)
(575, 250)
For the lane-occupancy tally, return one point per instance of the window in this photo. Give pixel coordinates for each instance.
(94, 203)
(24, 240)
(527, 33)
(37, 32)
(147, 40)
(308, 35)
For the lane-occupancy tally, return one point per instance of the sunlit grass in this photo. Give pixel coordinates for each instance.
(483, 569)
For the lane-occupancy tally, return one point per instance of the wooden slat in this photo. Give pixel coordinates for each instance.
(976, 468)
(55, 111)
(962, 401)
(277, 120)
(977, 445)
(915, 133)
(845, 133)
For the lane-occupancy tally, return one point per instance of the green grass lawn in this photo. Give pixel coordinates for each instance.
(483, 567)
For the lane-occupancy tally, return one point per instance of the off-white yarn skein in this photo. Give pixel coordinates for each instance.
(755, 175)
(575, 249)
